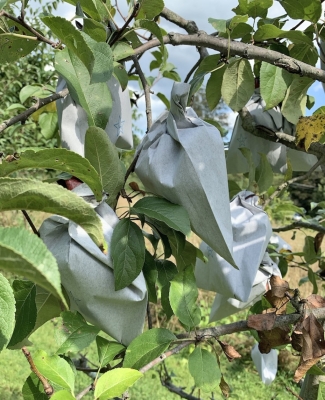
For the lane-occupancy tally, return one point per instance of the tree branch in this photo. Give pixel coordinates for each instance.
(177, 390)
(39, 104)
(85, 391)
(47, 387)
(245, 50)
(300, 224)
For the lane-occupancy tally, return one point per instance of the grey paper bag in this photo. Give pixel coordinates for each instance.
(73, 122)
(182, 159)
(251, 233)
(87, 276)
(223, 307)
(276, 153)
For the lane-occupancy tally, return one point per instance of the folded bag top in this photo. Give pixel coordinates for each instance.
(182, 159)
(73, 121)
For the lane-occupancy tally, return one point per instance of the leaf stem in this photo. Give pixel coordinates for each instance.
(31, 224)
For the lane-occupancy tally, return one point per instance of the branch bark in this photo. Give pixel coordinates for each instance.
(202, 39)
(300, 224)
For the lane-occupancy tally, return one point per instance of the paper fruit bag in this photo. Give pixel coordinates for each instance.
(251, 233)
(87, 275)
(73, 122)
(182, 159)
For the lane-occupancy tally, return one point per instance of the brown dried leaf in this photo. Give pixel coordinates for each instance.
(303, 367)
(230, 352)
(274, 338)
(297, 341)
(278, 286)
(261, 322)
(313, 338)
(134, 186)
(318, 241)
(224, 387)
(315, 301)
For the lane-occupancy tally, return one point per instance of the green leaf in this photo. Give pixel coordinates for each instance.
(146, 347)
(183, 296)
(312, 279)
(95, 99)
(103, 63)
(305, 53)
(60, 159)
(26, 311)
(296, 37)
(213, 88)
(122, 50)
(35, 91)
(223, 131)
(204, 368)
(150, 9)
(233, 189)
(23, 253)
(165, 303)
(237, 84)
(127, 252)
(48, 123)
(55, 369)
(33, 389)
(27, 194)
(183, 256)
(309, 250)
(94, 29)
(121, 75)
(273, 83)
(266, 32)
(166, 271)
(16, 106)
(62, 395)
(294, 103)
(3, 3)
(254, 8)
(240, 31)
(103, 156)
(219, 24)
(320, 110)
(314, 370)
(164, 99)
(264, 174)
(310, 102)
(208, 64)
(14, 46)
(309, 10)
(114, 383)
(48, 306)
(251, 166)
(107, 350)
(7, 309)
(173, 215)
(150, 274)
(72, 38)
(92, 8)
(150, 26)
(74, 334)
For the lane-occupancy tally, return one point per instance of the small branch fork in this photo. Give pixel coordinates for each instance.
(48, 389)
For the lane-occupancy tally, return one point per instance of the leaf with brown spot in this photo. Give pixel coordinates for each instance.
(261, 322)
(230, 352)
(313, 338)
(274, 338)
(303, 367)
(279, 303)
(315, 301)
(224, 387)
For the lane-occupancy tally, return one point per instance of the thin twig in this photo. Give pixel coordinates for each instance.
(22, 22)
(297, 26)
(146, 89)
(300, 224)
(85, 391)
(47, 387)
(178, 390)
(120, 32)
(293, 393)
(193, 69)
(284, 185)
(39, 104)
(149, 316)
(31, 224)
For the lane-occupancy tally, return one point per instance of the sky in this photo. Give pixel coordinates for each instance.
(184, 57)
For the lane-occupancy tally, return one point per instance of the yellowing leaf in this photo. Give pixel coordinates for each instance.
(51, 107)
(310, 130)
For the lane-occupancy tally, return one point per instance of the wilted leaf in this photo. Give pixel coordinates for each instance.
(313, 338)
(278, 286)
(224, 387)
(261, 322)
(274, 338)
(297, 340)
(315, 301)
(309, 130)
(303, 367)
(230, 352)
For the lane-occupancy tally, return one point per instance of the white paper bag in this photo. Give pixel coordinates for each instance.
(182, 159)
(266, 364)
(223, 307)
(251, 233)
(87, 275)
(73, 122)
(276, 153)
